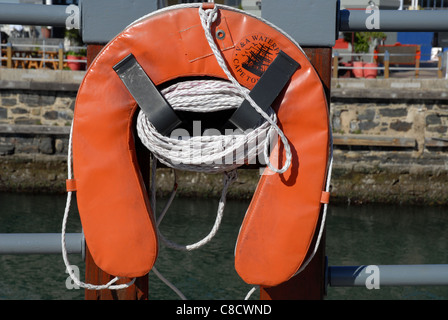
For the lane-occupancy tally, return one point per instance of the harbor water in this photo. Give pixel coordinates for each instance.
(356, 235)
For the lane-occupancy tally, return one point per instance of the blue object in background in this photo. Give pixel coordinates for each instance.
(424, 39)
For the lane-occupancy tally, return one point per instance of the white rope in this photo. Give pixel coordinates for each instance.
(251, 291)
(209, 153)
(203, 96)
(229, 178)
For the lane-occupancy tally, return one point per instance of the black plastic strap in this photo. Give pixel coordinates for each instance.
(145, 93)
(265, 91)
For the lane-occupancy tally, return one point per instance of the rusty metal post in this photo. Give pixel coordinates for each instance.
(335, 65)
(439, 66)
(386, 64)
(417, 62)
(310, 283)
(93, 274)
(61, 57)
(9, 55)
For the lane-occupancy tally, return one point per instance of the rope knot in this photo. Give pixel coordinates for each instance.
(208, 14)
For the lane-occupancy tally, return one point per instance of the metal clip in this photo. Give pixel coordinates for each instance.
(145, 93)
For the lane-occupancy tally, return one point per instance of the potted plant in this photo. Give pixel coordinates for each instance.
(72, 39)
(73, 60)
(360, 45)
(364, 42)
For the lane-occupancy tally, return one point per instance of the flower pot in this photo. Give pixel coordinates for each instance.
(358, 71)
(73, 63)
(370, 73)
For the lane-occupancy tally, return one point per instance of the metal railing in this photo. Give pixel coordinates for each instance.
(432, 4)
(41, 243)
(440, 71)
(395, 20)
(388, 275)
(38, 56)
(336, 276)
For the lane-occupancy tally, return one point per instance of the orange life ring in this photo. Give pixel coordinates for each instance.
(114, 208)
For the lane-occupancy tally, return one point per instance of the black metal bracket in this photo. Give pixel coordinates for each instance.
(145, 93)
(265, 91)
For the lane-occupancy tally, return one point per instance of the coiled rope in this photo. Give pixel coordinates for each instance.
(210, 152)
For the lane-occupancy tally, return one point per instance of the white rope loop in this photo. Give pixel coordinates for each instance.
(229, 177)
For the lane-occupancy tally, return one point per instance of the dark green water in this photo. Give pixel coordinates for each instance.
(356, 235)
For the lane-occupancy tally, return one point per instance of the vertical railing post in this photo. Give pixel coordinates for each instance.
(61, 56)
(44, 58)
(335, 64)
(310, 283)
(93, 274)
(9, 55)
(417, 62)
(446, 64)
(386, 64)
(439, 66)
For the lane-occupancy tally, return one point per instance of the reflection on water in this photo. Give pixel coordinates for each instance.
(370, 234)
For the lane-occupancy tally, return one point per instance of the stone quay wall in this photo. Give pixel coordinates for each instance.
(390, 140)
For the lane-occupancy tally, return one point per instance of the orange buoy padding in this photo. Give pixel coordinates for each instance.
(113, 204)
